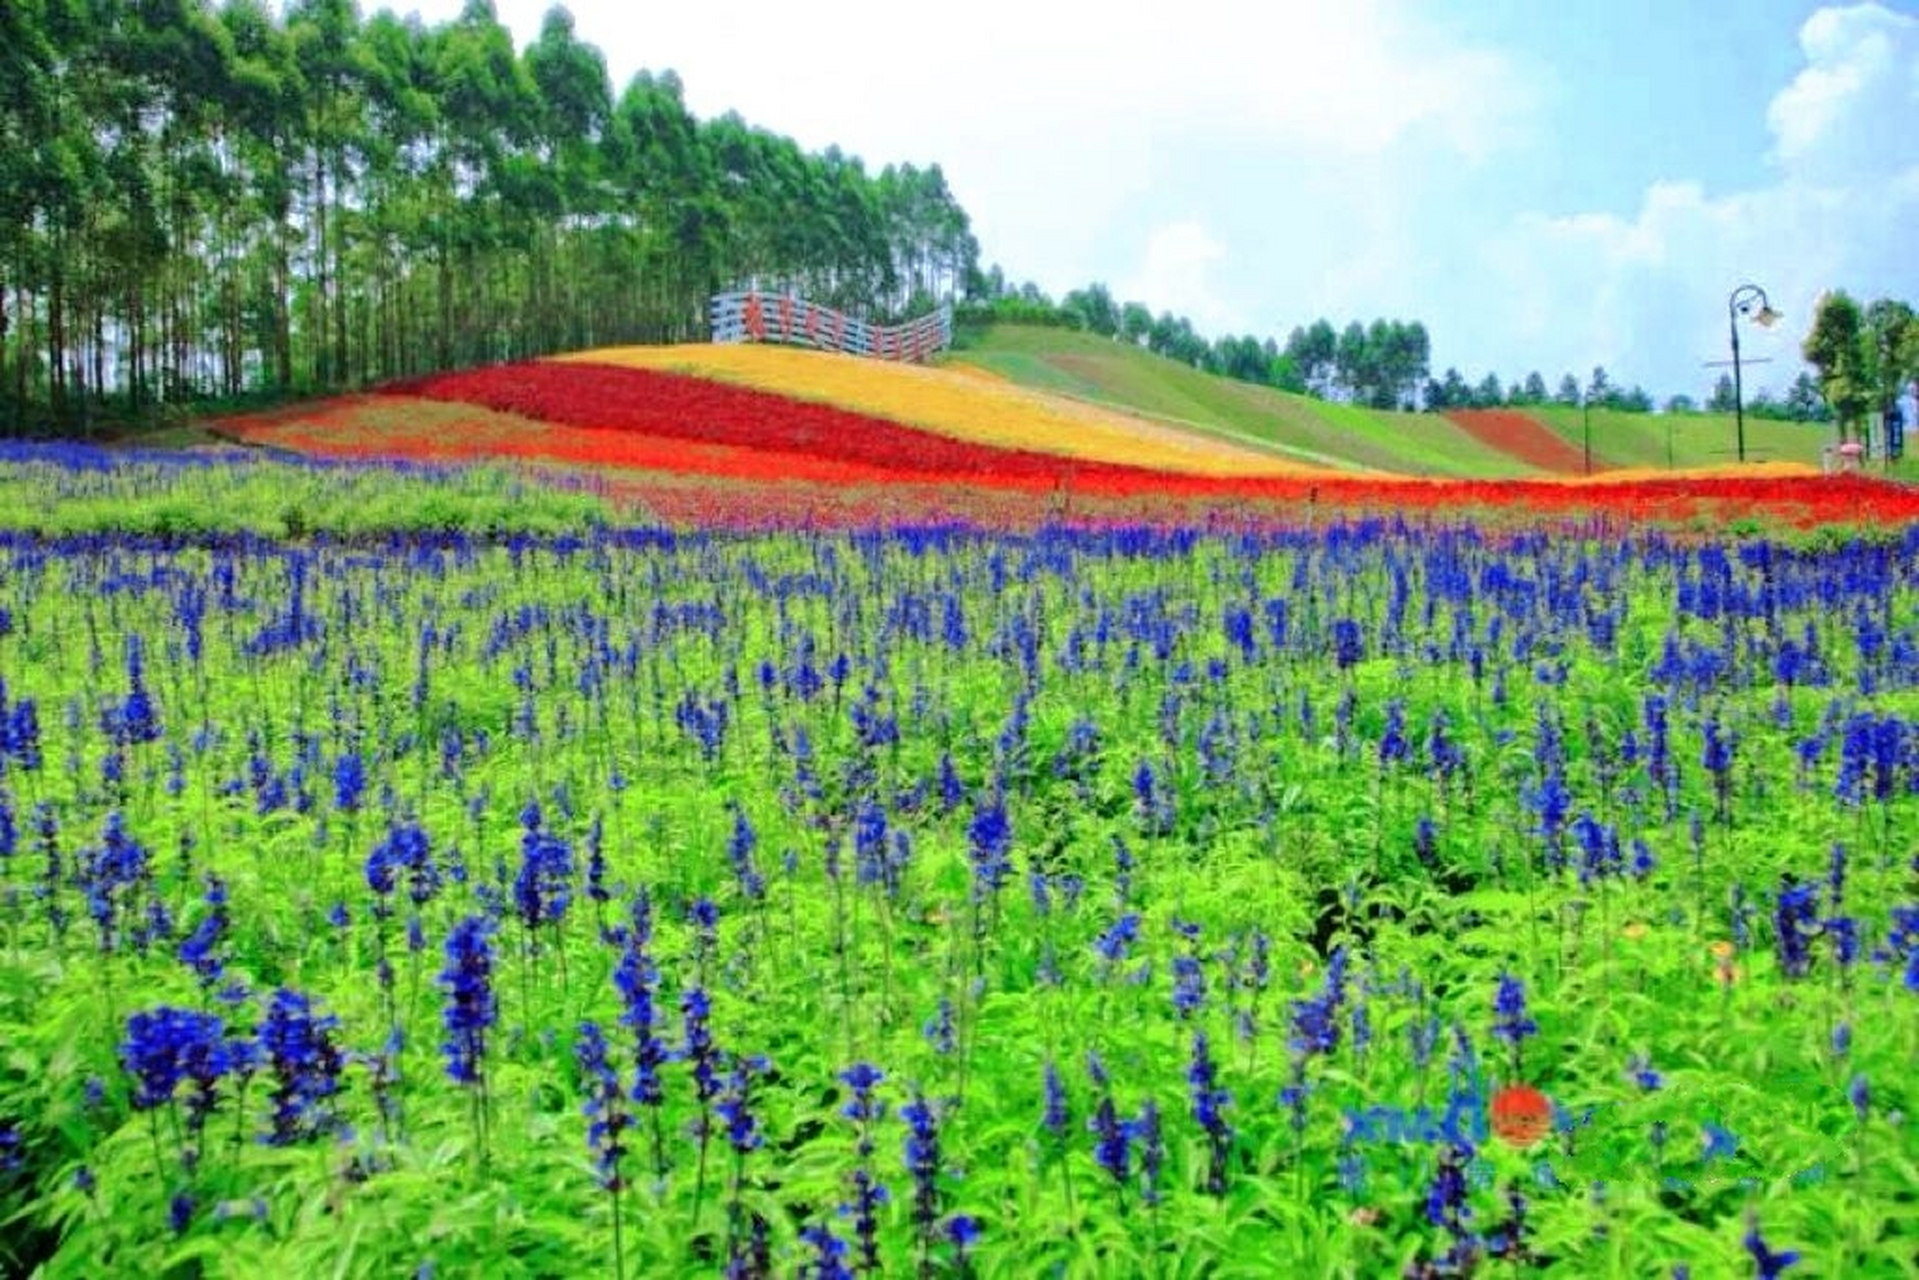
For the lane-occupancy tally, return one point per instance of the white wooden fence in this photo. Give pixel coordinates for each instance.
(776, 317)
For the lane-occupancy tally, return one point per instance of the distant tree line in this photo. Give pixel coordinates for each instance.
(1801, 403)
(1381, 365)
(206, 201)
(1093, 309)
(1452, 391)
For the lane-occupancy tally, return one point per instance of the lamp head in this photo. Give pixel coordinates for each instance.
(1766, 317)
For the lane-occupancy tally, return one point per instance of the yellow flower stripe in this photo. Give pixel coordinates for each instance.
(961, 405)
(1719, 471)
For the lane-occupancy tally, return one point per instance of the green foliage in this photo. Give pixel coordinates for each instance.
(1288, 822)
(1835, 348)
(1449, 392)
(970, 317)
(211, 495)
(1891, 341)
(1095, 308)
(1801, 404)
(204, 202)
(1314, 349)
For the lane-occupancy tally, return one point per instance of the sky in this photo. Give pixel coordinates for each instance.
(1545, 186)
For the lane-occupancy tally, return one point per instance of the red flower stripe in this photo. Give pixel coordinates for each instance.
(676, 407)
(783, 460)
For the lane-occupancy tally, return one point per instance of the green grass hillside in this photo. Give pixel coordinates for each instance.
(1103, 371)
(1695, 439)
(1114, 374)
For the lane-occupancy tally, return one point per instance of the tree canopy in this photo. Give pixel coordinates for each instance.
(1865, 358)
(202, 201)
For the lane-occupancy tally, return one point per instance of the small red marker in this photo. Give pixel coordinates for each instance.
(1522, 1115)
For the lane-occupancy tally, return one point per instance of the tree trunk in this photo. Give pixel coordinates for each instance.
(282, 305)
(23, 312)
(322, 367)
(5, 328)
(136, 344)
(57, 333)
(443, 339)
(339, 301)
(99, 350)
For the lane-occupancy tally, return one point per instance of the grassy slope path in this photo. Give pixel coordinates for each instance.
(1521, 436)
(1694, 439)
(1103, 372)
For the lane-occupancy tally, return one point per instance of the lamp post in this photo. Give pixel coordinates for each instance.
(1740, 304)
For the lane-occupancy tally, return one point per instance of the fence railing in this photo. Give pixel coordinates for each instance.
(776, 317)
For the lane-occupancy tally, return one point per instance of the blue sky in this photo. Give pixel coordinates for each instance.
(1546, 186)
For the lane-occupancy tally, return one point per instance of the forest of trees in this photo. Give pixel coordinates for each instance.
(203, 201)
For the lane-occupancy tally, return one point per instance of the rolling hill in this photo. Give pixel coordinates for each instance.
(738, 433)
(1131, 379)
(1117, 375)
(1080, 399)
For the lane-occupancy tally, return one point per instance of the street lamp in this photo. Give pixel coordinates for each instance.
(1740, 304)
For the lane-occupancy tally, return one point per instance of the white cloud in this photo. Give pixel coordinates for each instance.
(1176, 274)
(1858, 91)
(1059, 123)
(1253, 165)
(1345, 77)
(1646, 294)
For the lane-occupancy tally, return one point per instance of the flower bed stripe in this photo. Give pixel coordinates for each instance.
(961, 406)
(761, 445)
(676, 407)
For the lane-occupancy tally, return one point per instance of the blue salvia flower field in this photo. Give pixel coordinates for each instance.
(1352, 899)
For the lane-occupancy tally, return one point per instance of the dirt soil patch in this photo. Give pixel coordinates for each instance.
(1518, 435)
